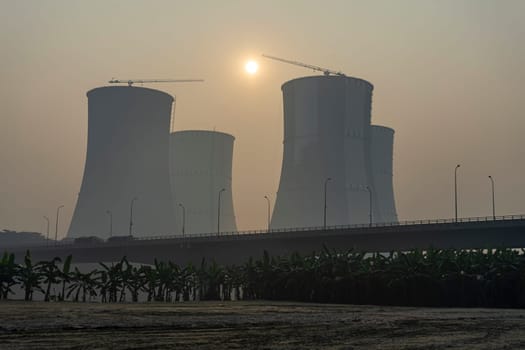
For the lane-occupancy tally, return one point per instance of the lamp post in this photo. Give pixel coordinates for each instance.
(110, 222)
(219, 213)
(456, 192)
(183, 218)
(324, 213)
(47, 234)
(370, 204)
(56, 226)
(493, 201)
(131, 215)
(268, 202)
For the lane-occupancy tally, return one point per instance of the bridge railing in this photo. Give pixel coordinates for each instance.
(336, 227)
(244, 234)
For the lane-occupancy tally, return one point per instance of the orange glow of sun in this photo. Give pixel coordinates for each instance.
(251, 67)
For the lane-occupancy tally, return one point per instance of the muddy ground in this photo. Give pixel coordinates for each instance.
(254, 325)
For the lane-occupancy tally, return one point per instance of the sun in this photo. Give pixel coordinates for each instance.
(251, 67)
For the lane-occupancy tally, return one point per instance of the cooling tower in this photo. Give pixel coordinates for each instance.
(326, 135)
(382, 142)
(127, 157)
(201, 166)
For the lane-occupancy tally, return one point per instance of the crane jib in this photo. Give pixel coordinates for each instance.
(325, 71)
(130, 82)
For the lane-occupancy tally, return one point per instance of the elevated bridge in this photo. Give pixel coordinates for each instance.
(237, 247)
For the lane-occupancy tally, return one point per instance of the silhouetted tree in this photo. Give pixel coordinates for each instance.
(29, 277)
(50, 274)
(65, 276)
(8, 270)
(82, 282)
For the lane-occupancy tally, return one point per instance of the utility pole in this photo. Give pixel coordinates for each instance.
(56, 227)
(47, 234)
(219, 213)
(131, 216)
(370, 204)
(183, 218)
(324, 214)
(456, 192)
(268, 219)
(493, 201)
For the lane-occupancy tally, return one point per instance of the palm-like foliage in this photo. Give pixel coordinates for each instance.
(150, 277)
(65, 276)
(82, 282)
(111, 281)
(433, 277)
(233, 280)
(8, 270)
(29, 277)
(50, 274)
(190, 283)
(165, 275)
(211, 280)
(135, 279)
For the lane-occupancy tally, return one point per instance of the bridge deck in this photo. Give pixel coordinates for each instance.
(237, 248)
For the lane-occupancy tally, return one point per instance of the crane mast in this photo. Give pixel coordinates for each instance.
(325, 71)
(130, 82)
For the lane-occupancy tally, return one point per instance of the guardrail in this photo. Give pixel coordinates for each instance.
(336, 227)
(53, 244)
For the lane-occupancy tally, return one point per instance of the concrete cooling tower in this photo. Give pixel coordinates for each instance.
(382, 143)
(326, 135)
(201, 166)
(127, 157)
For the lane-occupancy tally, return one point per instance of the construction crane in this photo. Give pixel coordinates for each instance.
(325, 71)
(142, 81)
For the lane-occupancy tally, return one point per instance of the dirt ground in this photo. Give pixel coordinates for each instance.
(254, 325)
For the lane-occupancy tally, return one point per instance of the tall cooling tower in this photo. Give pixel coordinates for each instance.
(382, 142)
(326, 135)
(127, 157)
(201, 166)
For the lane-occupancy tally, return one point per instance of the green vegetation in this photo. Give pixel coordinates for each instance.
(484, 278)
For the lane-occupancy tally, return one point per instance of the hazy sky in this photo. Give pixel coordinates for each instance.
(448, 77)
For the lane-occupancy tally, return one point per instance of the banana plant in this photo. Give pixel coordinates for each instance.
(82, 282)
(50, 273)
(135, 280)
(65, 276)
(29, 277)
(8, 270)
(111, 280)
(151, 282)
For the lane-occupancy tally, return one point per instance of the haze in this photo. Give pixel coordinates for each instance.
(448, 77)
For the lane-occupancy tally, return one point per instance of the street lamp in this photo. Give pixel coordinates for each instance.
(268, 201)
(47, 234)
(131, 215)
(370, 203)
(493, 201)
(110, 222)
(183, 218)
(219, 213)
(56, 227)
(456, 192)
(324, 214)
